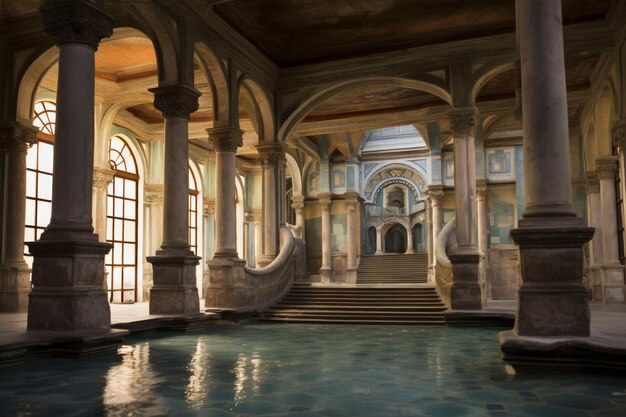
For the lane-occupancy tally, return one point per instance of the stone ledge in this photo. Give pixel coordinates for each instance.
(173, 322)
(479, 318)
(600, 352)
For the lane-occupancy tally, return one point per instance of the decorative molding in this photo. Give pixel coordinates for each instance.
(481, 189)
(606, 167)
(297, 202)
(592, 182)
(102, 177)
(435, 194)
(177, 101)
(16, 137)
(325, 200)
(225, 139)
(153, 193)
(271, 154)
(77, 21)
(208, 206)
(463, 120)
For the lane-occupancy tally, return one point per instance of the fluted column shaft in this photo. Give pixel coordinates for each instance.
(226, 140)
(325, 203)
(272, 160)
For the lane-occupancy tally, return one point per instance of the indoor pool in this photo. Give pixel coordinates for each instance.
(303, 370)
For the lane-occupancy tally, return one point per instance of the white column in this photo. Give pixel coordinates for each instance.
(272, 160)
(68, 264)
(298, 206)
(483, 219)
(379, 241)
(409, 241)
(595, 245)
(352, 203)
(14, 272)
(552, 299)
(258, 237)
(325, 202)
(101, 180)
(612, 269)
(226, 140)
(430, 248)
(435, 194)
(174, 288)
(153, 199)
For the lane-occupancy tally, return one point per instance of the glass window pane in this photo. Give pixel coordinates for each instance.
(43, 213)
(119, 186)
(29, 234)
(129, 277)
(117, 278)
(110, 206)
(119, 207)
(30, 212)
(131, 189)
(38, 233)
(31, 157)
(31, 184)
(109, 235)
(117, 253)
(45, 186)
(129, 209)
(129, 231)
(129, 254)
(46, 157)
(117, 229)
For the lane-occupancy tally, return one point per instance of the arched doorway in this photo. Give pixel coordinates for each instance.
(370, 246)
(417, 232)
(395, 239)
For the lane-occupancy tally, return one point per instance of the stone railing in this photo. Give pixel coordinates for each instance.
(246, 289)
(271, 282)
(444, 244)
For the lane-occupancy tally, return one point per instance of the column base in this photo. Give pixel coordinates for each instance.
(174, 288)
(326, 275)
(612, 284)
(67, 290)
(465, 291)
(227, 289)
(552, 299)
(14, 287)
(351, 275)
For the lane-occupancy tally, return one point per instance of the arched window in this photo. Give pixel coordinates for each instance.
(193, 212)
(39, 172)
(122, 213)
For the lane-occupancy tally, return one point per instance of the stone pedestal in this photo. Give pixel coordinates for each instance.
(552, 299)
(174, 288)
(465, 291)
(227, 288)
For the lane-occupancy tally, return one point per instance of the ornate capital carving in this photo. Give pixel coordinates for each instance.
(77, 21)
(225, 139)
(175, 100)
(153, 193)
(15, 137)
(325, 200)
(593, 182)
(618, 134)
(481, 189)
(208, 206)
(606, 166)
(297, 202)
(462, 120)
(352, 201)
(102, 177)
(271, 153)
(436, 195)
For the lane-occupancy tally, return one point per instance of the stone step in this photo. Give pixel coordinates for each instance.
(356, 321)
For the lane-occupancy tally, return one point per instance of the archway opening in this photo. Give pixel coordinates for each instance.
(396, 239)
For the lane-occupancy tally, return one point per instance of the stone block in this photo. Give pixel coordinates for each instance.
(465, 291)
(174, 288)
(68, 310)
(14, 288)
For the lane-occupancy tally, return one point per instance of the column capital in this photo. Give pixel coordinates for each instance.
(325, 200)
(435, 193)
(297, 202)
(352, 200)
(462, 120)
(481, 189)
(225, 139)
(77, 21)
(102, 177)
(16, 137)
(618, 133)
(592, 182)
(153, 193)
(271, 153)
(177, 101)
(208, 206)
(606, 166)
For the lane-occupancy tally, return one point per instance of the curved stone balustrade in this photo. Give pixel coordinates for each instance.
(444, 244)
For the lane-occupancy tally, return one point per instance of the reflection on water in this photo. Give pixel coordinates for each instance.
(313, 370)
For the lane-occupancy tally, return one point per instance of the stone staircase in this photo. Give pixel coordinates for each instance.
(393, 269)
(361, 304)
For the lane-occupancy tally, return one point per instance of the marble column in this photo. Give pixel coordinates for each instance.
(326, 270)
(379, 241)
(272, 158)
(552, 299)
(618, 135)
(102, 177)
(435, 194)
(174, 289)
(226, 140)
(430, 242)
(612, 269)
(465, 292)
(15, 139)
(595, 245)
(409, 241)
(483, 232)
(153, 200)
(258, 236)
(352, 203)
(68, 260)
(298, 206)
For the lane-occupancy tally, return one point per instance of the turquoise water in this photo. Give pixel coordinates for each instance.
(303, 370)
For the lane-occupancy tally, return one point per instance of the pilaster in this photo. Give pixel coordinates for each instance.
(326, 271)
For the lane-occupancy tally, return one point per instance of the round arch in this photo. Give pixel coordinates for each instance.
(296, 175)
(309, 104)
(263, 107)
(412, 177)
(486, 73)
(591, 148)
(215, 73)
(605, 114)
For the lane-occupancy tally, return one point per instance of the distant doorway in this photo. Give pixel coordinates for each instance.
(395, 240)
